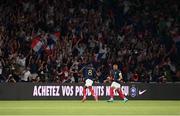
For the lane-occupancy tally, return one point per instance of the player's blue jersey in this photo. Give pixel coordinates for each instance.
(115, 74)
(89, 72)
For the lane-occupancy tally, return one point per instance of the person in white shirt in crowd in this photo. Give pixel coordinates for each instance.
(26, 75)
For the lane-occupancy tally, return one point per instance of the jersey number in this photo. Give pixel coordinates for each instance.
(90, 72)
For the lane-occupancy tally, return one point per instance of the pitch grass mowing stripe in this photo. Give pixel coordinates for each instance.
(89, 108)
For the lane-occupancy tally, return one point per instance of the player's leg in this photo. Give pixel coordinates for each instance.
(111, 94)
(92, 93)
(84, 94)
(111, 91)
(89, 85)
(121, 95)
(84, 89)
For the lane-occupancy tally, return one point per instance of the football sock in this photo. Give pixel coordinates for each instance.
(111, 92)
(92, 91)
(84, 92)
(121, 95)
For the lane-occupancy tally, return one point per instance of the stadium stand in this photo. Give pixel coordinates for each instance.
(51, 40)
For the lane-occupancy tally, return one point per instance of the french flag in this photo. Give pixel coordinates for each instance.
(36, 44)
(54, 37)
(51, 42)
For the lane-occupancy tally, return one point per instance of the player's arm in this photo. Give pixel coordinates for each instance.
(95, 75)
(109, 77)
(120, 76)
(81, 70)
(81, 73)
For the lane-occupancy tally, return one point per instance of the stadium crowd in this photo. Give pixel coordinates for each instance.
(138, 35)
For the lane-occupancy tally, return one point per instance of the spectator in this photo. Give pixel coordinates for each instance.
(27, 75)
(141, 36)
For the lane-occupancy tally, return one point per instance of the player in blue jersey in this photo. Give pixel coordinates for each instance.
(89, 75)
(115, 85)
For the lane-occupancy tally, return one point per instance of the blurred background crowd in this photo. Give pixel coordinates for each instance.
(141, 36)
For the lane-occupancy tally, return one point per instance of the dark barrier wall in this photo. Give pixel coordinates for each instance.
(30, 91)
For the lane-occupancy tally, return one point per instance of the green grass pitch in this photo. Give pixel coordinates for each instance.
(90, 108)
